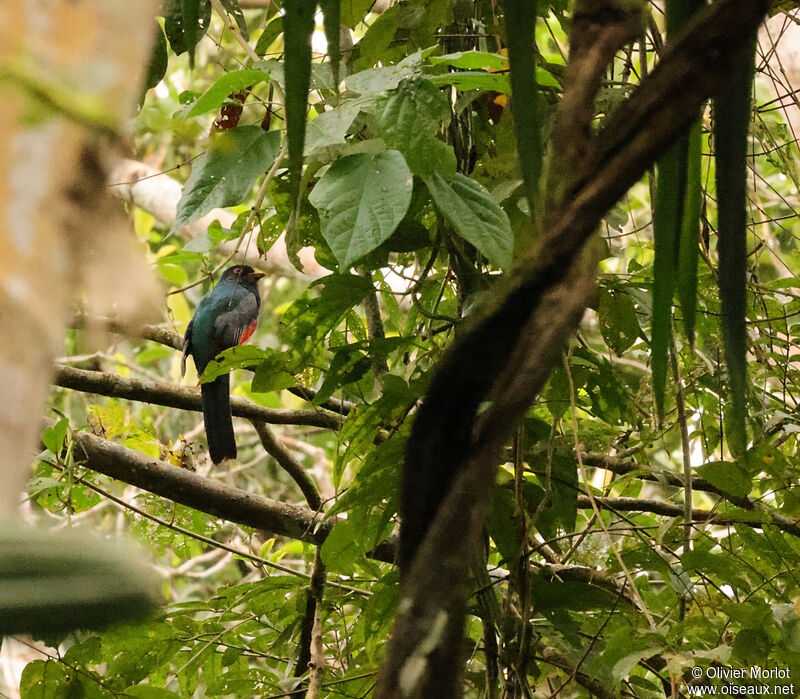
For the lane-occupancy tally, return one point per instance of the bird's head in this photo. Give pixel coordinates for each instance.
(242, 274)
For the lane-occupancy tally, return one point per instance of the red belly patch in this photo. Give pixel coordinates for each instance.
(247, 333)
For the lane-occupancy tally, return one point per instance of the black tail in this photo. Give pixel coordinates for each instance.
(217, 416)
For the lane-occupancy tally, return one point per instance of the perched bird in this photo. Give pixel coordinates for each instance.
(227, 316)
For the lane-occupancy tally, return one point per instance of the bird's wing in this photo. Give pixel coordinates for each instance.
(235, 325)
(187, 347)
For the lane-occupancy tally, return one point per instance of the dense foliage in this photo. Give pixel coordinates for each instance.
(411, 194)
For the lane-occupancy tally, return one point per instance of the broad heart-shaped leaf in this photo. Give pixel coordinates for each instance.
(215, 95)
(360, 200)
(224, 175)
(474, 215)
(408, 119)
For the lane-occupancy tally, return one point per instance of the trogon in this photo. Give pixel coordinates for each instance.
(227, 316)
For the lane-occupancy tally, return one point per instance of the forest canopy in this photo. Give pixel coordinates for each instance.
(518, 418)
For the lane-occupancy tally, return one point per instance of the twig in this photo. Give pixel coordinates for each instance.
(289, 464)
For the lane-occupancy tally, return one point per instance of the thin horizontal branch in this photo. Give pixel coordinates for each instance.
(625, 466)
(192, 490)
(169, 338)
(185, 398)
(756, 518)
(154, 333)
(209, 496)
(289, 464)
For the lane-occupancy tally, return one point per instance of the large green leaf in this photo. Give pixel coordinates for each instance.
(215, 95)
(731, 123)
(408, 119)
(225, 174)
(360, 200)
(472, 60)
(474, 215)
(331, 127)
(354, 11)
(298, 25)
(185, 23)
(520, 20)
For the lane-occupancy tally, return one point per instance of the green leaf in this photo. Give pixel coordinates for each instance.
(53, 437)
(728, 476)
(360, 200)
(408, 119)
(158, 60)
(311, 317)
(225, 174)
(271, 32)
(471, 60)
(272, 374)
(731, 121)
(353, 12)
(520, 22)
(688, 248)
(146, 691)
(489, 82)
(671, 179)
(215, 95)
(233, 9)
(618, 322)
(502, 525)
(298, 25)
(331, 127)
(185, 23)
(339, 550)
(375, 80)
(331, 19)
(470, 209)
(239, 357)
(474, 80)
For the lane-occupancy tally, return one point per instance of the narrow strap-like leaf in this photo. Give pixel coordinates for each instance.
(688, 250)
(520, 16)
(331, 17)
(678, 191)
(670, 179)
(298, 25)
(731, 121)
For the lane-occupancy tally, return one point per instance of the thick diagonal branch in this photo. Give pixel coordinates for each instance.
(480, 365)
